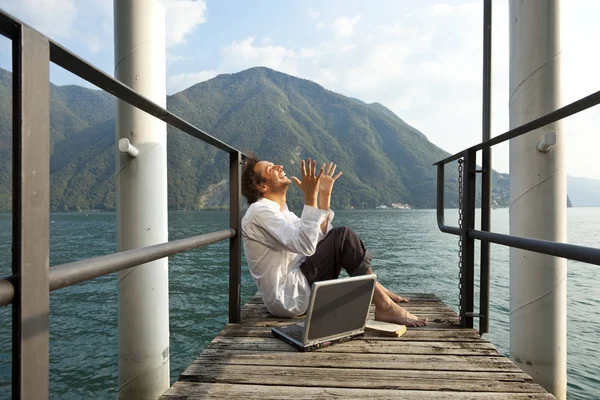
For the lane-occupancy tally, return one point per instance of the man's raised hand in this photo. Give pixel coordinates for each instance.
(328, 179)
(310, 181)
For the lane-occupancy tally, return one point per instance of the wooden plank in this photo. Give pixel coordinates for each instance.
(359, 378)
(415, 305)
(416, 308)
(210, 369)
(454, 335)
(194, 391)
(367, 346)
(413, 297)
(435, 322)
(354, 360)
(439, 324)
(429, 313)
(440, 316)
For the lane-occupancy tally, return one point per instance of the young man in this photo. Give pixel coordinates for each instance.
(286, 254)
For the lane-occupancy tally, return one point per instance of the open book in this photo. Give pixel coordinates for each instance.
(385, 328)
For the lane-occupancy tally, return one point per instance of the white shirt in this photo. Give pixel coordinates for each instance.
(275, 244)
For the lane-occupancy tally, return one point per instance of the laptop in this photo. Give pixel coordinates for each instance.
(337, 312)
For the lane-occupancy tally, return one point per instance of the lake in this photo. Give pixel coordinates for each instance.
(411, 255)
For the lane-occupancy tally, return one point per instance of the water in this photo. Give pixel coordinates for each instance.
(411, 255)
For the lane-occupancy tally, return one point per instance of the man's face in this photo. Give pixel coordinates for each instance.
(276, 180)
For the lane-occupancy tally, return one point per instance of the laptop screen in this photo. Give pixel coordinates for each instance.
(340, 307)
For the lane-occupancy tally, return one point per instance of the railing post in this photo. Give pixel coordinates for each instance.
(30, 247)
(235, 243)
(468, 243)
(440, 203)
(486, 165)
(440, 194)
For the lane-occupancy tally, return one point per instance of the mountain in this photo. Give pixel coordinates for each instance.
(276, 116)
(583, 192)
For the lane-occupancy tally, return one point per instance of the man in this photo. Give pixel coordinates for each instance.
(287, 254)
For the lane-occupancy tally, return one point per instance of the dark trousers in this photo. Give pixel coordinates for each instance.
(340, 248)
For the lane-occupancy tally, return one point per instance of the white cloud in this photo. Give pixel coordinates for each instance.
(308, 52)
(182, 17)
(344, 27)
(173, 58)
(319, 26)
(244, 54)
(54, 18)
(179, 82)
(94, 43)
(312, 13)
(102, 9)
(440, 9)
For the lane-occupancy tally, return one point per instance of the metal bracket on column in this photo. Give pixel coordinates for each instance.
(126, 147)
(549, 140)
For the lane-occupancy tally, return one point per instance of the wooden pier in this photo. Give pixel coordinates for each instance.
(439, 361)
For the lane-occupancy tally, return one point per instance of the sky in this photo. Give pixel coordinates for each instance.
(421, 59)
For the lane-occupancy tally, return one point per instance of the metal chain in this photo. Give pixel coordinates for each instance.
(460, 225)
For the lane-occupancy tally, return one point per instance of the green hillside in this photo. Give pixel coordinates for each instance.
(274, 115)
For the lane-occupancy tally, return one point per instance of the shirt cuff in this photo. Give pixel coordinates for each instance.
(313, 214)
(331, 215)
(329, 226)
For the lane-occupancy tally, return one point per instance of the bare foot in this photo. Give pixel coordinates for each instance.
(395, 298)
(395, 314)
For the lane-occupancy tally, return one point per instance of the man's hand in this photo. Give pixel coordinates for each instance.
(310, 182)
(327, 181)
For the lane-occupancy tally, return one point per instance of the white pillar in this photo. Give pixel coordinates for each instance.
(538, 287)
(142, 218)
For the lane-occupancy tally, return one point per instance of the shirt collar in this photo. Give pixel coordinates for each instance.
(272, 204)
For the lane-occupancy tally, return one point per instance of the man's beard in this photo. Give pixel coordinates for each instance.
(280, 187)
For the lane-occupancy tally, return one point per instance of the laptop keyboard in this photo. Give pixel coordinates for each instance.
(295, 332)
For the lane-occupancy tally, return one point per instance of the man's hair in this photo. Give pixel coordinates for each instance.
(251, 180)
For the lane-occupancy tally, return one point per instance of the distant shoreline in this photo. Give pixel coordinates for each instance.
(227, 209)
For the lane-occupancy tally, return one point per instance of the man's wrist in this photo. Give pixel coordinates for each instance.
(324, 204)
(311, 200)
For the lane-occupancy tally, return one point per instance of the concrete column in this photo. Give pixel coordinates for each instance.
(142, 218)
(538, 334)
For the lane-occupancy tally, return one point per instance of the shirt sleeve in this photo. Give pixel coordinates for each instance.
(329, 226)
(300, 236)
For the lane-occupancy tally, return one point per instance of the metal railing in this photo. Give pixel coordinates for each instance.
(468, 233)
(28, 288)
